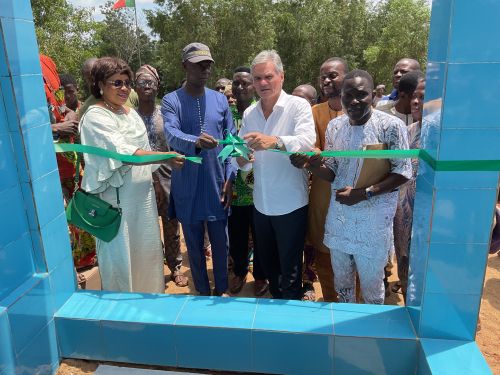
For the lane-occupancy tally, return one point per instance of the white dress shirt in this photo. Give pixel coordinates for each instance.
(279, 187)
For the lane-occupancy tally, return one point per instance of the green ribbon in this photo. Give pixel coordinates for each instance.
(65, 147)
(437, 165)
(235, 146)
(364, 154)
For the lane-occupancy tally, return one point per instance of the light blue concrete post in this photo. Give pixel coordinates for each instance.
(36, 269)
(454, 210)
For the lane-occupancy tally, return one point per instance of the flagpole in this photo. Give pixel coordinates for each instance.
(137, 35)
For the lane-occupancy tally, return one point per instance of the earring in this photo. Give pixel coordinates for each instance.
(100, 92)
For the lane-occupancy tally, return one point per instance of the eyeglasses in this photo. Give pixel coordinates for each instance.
(118, 83)
(145, 83)
(243, 84)
(330, 76)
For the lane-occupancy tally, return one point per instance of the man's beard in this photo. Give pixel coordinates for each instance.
(336, 92)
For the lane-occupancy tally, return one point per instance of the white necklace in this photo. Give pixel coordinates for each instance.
(118, 111)
(200, 119)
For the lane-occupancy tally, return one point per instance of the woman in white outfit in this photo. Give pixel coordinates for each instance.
(133, 260)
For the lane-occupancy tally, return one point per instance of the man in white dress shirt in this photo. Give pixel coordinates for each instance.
(282, 122)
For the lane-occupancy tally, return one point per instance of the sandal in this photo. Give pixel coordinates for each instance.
(396, 287)
(208, 251)
(82, 280)
(180, 280)
(309, 293)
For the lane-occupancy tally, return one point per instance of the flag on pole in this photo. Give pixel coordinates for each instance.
(124, 4)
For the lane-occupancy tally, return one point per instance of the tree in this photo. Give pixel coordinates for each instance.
(233, 29)
(117, 37)
(65, 33)
(309, 32)
(402, 29)
(369, 35)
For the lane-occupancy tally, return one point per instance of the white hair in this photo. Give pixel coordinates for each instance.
(268, 55)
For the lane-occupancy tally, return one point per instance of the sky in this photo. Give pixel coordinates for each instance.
(140, 4)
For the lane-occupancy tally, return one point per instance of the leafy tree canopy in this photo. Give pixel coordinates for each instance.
(369, 34)
(66, 33)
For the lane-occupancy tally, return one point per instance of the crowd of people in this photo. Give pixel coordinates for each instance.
(298, 217)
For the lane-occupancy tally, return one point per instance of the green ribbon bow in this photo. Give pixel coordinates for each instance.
(235, 146)
(65, 147)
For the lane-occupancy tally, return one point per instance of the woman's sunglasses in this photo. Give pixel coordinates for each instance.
(119, 83)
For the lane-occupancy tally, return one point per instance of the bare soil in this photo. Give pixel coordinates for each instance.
(488, 337)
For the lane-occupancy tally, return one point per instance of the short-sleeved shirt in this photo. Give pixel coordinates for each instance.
(366, 227)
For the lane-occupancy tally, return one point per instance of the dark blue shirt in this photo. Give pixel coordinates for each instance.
(394, 95)
(197, 188)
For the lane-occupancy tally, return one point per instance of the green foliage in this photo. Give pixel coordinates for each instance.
(65, 33)
(369, 34)
(309, 32)
(117, 37)
(70, 35)
(402, 31)
(304, 32)
(233, 29)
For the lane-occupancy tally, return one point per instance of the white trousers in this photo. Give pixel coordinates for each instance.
(371, 277)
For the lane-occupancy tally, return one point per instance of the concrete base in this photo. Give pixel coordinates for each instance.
(115, 370)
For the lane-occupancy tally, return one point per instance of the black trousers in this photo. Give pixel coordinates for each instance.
(240, 223)
(280, 246)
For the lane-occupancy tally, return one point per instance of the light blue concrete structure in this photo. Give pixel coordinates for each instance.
(43, 318)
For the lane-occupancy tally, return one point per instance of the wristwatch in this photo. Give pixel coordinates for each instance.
(369, 192)
(279, 144)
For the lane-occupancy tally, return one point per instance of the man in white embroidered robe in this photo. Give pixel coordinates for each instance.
(358, 228)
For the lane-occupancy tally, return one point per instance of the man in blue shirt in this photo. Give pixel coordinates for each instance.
(403, 66)
(195, 117)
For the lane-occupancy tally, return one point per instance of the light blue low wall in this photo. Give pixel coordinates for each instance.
(43, 318)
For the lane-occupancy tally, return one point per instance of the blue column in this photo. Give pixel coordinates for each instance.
(454, 210)
(36, 268)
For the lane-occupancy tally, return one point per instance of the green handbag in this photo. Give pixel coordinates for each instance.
(92, 214)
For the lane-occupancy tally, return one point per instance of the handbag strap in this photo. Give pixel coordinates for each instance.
(77, 171)
(77, 178)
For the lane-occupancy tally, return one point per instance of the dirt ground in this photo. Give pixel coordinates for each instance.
(488, 337)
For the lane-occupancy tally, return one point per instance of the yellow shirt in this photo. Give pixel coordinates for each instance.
(319, 196)
(323, 114)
